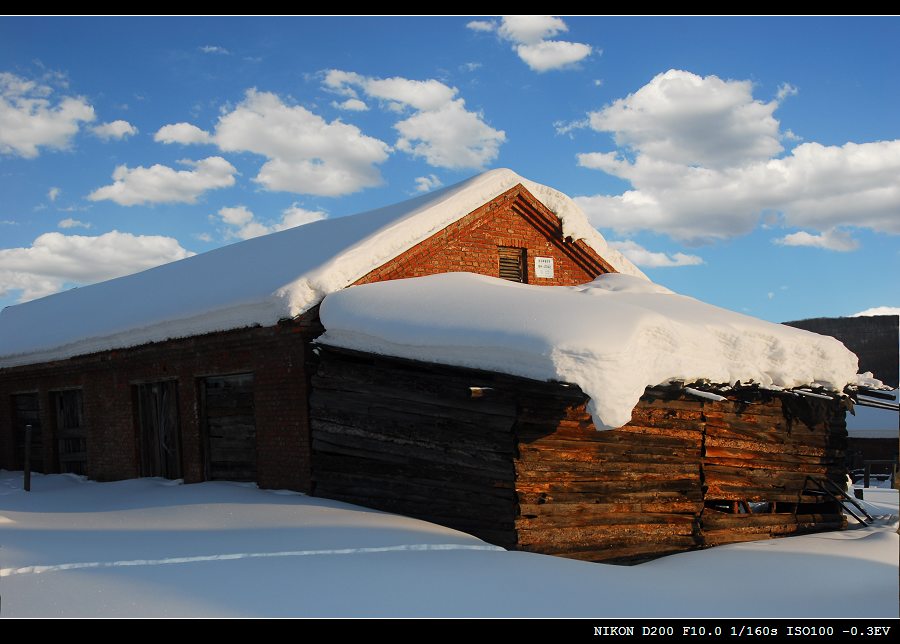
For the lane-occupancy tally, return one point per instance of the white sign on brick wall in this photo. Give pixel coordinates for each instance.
(543, 267)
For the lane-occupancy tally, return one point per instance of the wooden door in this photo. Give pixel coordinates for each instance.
(160, 431)
(70, 431)
(230, 427)
(27, 411)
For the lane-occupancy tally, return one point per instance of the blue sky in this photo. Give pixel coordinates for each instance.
(751, 162)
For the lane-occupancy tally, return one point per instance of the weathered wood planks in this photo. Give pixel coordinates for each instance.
(519, 463)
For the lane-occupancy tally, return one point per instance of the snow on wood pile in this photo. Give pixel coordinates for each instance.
(259, 281)
(613, 337)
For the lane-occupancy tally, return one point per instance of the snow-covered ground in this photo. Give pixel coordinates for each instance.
(150, 547)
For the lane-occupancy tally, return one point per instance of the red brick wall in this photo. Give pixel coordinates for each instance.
(275, 355)
(514, 219)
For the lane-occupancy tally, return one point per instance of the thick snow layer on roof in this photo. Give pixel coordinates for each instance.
(613, 337)
(259, 281)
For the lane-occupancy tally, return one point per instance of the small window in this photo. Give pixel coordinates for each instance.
(512, 264)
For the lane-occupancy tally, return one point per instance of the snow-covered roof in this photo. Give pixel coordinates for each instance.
(259, 281)
(613, 337)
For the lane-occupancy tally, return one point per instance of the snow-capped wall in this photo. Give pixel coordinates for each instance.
(613, 337)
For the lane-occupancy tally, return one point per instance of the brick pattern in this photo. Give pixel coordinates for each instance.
(514, 219)
(277, 356)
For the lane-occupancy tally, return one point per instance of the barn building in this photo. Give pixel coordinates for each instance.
(198, 369)
(207, 369)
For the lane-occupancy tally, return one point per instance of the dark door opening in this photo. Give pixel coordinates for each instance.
(157, 404)
(230, 426)
(70, 431)
(27, 411)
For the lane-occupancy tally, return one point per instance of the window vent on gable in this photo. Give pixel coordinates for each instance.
(512, 264)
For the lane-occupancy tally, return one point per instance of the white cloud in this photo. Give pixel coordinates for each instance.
(8, 222)
(183, 133)
(213, 49)
(831, 239)
(770, 295)
(297, 216)
(428, 183)
(72, 223)
(162, 184)
(441, 130)
(700, 154)
(815, 186)
(204, 237)
(531, 35)
(652, 259)
(53, 193)
(236, 215)
(424, 95)
(531, 30)
(481, 25)
(693, 120)
(114, 130)
(243, 224)
(566, 128)
(785, 90)
(305, 153)
(552, 54)
(29, 120)
(55, 260)
(878, 310)
(469, 67)
(351, 105)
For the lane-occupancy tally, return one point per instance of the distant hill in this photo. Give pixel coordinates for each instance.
(873, 339)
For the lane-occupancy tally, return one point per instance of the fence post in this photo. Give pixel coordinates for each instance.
(28, 458)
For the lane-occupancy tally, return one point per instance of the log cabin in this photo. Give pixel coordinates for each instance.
(208, 369)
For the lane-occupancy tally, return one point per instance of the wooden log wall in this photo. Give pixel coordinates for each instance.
(409, 438)
(607, 496)
(520, 464)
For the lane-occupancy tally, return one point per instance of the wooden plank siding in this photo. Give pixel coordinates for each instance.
(519, 463)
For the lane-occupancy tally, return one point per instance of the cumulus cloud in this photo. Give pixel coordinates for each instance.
(56, 260)
(162, 184)
(243, 224)
(552, 54)
(693, 120)
(441, 130)
(481, 25)
(31, 120)
(878, 310)
(832, 239)
(304, 152)
(531, 36)
(214, 49)
(72, 223)
(701, 155)
(114, 130)
(184, 133)
(53, 193)
(428, 183)
(351, 105)
(653, 259)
